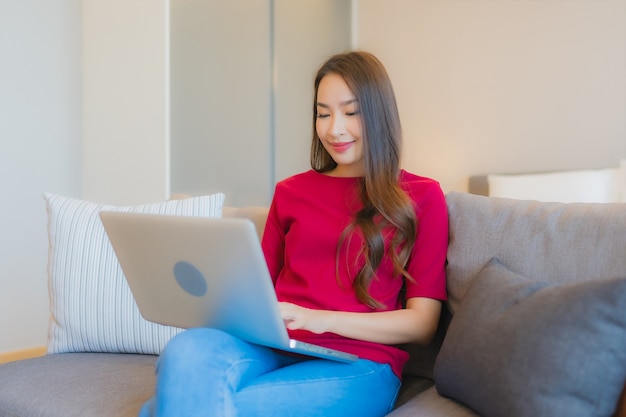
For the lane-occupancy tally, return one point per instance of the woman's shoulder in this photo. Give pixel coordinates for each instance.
(411, 181)
(298, 183)
(298, 179)
(423, 191)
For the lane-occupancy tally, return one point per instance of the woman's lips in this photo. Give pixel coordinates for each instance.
(341, 146)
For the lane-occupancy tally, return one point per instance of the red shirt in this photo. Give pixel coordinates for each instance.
(307, 216)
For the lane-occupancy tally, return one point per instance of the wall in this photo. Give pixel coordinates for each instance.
(241, 82)
(85, 114)
(503, 86)
(125, 101)
(300, 47)
(39, 151)
(221, 83)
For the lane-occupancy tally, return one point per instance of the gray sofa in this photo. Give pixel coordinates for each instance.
(535, 326)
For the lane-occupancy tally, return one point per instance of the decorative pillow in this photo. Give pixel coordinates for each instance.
(579, 186)
(518, 347)
(92, 307)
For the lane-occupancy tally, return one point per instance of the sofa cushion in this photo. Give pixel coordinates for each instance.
(77, 385)
(552, 241)
(577, 186)
(430, 403)
(520, 347)
(92, 308)
(257, 214)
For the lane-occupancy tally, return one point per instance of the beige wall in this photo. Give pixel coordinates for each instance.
(503, 86)
(39, 151)
(245, 88)
(83, 113)
(220, 95)
(125, 83)
(300, 47)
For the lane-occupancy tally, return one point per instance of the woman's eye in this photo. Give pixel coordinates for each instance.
(322, 116)
(352, 113)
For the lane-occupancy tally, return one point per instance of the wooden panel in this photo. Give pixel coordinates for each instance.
(22, 354)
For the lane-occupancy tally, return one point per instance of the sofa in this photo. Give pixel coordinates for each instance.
(535, 324)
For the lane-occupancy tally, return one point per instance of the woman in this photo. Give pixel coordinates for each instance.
(341, 241)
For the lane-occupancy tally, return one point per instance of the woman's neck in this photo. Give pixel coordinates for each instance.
(346, 171)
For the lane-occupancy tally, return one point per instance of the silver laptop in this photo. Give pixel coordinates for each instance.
(202, 272)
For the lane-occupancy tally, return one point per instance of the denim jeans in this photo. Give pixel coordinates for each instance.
(206, 372)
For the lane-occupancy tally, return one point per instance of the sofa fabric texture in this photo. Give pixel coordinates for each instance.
(77, 385)
(542, 349)
(553, 242)
(544, 252)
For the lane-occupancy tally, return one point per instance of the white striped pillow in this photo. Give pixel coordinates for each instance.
(92, 308)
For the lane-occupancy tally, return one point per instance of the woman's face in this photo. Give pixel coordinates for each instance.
(338, 125)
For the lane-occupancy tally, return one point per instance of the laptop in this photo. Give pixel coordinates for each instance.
(203, 272)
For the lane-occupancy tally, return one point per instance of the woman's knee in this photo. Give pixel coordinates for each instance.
(364, 388)
(197, 343)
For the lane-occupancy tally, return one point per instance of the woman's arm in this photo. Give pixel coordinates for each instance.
(273, 242)
(417, 323)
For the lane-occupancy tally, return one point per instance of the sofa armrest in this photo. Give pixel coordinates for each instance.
(257, 214)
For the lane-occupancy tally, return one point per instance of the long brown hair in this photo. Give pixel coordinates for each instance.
(385, 204)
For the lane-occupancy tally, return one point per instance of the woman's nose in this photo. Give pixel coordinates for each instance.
(338, 126)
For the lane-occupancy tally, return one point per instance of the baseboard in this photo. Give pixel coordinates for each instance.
(22, 354)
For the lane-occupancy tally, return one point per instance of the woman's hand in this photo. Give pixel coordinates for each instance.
(301, 318)
(416, 323)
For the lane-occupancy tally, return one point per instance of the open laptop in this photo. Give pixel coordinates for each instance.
(203, 272)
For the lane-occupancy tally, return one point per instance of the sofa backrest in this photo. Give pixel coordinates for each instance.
(257, 214)
(545, 241)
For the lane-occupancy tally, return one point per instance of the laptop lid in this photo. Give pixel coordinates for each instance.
(202, 272)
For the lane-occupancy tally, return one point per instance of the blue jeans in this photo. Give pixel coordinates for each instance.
(206, 372)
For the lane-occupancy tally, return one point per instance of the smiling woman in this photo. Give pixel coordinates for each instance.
(341, 242)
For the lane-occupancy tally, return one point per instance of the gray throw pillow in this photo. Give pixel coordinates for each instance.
(518, 347)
